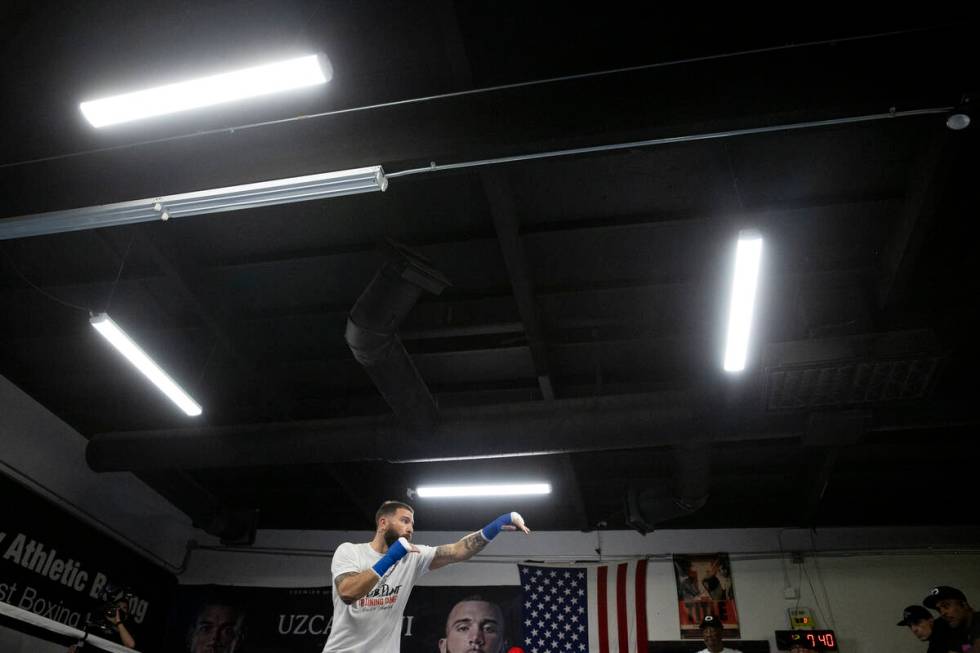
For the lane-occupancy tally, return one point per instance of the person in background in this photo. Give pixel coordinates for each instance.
(119, 634)
(711, 631)
(926, 628)
(964, 624)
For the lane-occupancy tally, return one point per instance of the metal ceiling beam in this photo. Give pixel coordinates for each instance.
(536, 428)
(506, 222)
(927, 180)
(489, 314)
(526, 429)
(804, 212)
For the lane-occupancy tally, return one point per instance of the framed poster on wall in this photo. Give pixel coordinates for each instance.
(705, 586)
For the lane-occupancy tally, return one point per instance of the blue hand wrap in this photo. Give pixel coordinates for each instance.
(396, 552)
(491, 530)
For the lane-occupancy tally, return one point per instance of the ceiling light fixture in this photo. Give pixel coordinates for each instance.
(135, 355)
(501, 490)
(199, 202)
(748, 255)
(959, 118)
(208, 91)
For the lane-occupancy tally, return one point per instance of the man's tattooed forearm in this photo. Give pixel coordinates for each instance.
(339, 579)
(474, 543)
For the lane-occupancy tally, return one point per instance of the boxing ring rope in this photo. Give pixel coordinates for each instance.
(59, 628)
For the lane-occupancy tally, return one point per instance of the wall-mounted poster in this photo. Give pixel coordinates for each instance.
(705, 586)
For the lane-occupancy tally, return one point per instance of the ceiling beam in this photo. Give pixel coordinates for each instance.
(506, 222)
(927, 181)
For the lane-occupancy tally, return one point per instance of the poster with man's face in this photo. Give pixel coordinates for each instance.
(463, 620)
(705, 586)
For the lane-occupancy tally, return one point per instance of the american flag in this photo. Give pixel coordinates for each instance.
(585, 609)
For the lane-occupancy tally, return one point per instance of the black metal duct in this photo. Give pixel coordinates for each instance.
(372, 334)
(207, 512)
(685, 492)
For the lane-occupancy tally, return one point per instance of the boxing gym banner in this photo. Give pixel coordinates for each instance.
(208, 618)
(298, 620)
(59, 567)
(705, 586)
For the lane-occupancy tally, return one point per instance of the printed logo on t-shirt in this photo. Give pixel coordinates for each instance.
(383, 595)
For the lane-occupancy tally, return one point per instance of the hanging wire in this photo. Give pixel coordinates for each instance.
(33, 285)
(731, 172)
(816, 564)
(816, 599)
(207, 362)
(826, 595)
(122, 264)
(799, 586)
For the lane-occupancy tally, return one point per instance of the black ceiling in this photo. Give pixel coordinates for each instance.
(584, 321)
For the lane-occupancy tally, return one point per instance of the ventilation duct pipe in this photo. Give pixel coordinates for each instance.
(372, 335)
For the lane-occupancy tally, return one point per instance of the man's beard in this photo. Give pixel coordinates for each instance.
(391, 536)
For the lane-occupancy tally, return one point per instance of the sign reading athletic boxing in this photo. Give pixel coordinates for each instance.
(34, 556)
(59, 567)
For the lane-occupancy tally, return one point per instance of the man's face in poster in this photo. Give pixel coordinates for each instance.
(473, 626)
(218, 629)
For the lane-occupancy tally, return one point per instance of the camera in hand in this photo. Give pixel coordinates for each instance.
(102, 621)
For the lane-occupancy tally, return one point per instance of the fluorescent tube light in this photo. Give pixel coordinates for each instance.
(504, 490)
(748, 255)
(135, 355)
(208, 91)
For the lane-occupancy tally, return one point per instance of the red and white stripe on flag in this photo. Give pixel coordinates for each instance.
(618, 607)
(585, 609)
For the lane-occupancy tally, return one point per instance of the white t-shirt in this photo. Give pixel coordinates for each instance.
(373, 624)
(724, 650)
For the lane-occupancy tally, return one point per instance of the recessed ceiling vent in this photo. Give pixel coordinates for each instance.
(855, 370)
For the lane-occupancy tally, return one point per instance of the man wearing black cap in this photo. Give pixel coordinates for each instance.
(955, 609)
(711, 632)
(926, 628)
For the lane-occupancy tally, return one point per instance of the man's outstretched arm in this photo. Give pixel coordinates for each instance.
(468, 546)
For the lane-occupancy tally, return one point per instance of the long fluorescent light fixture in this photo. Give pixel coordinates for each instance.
(504, 490)
(135, 355)
(199, 202)
(748, 255)
(208, 91)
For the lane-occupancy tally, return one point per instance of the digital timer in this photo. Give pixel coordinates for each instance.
(817, 640)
